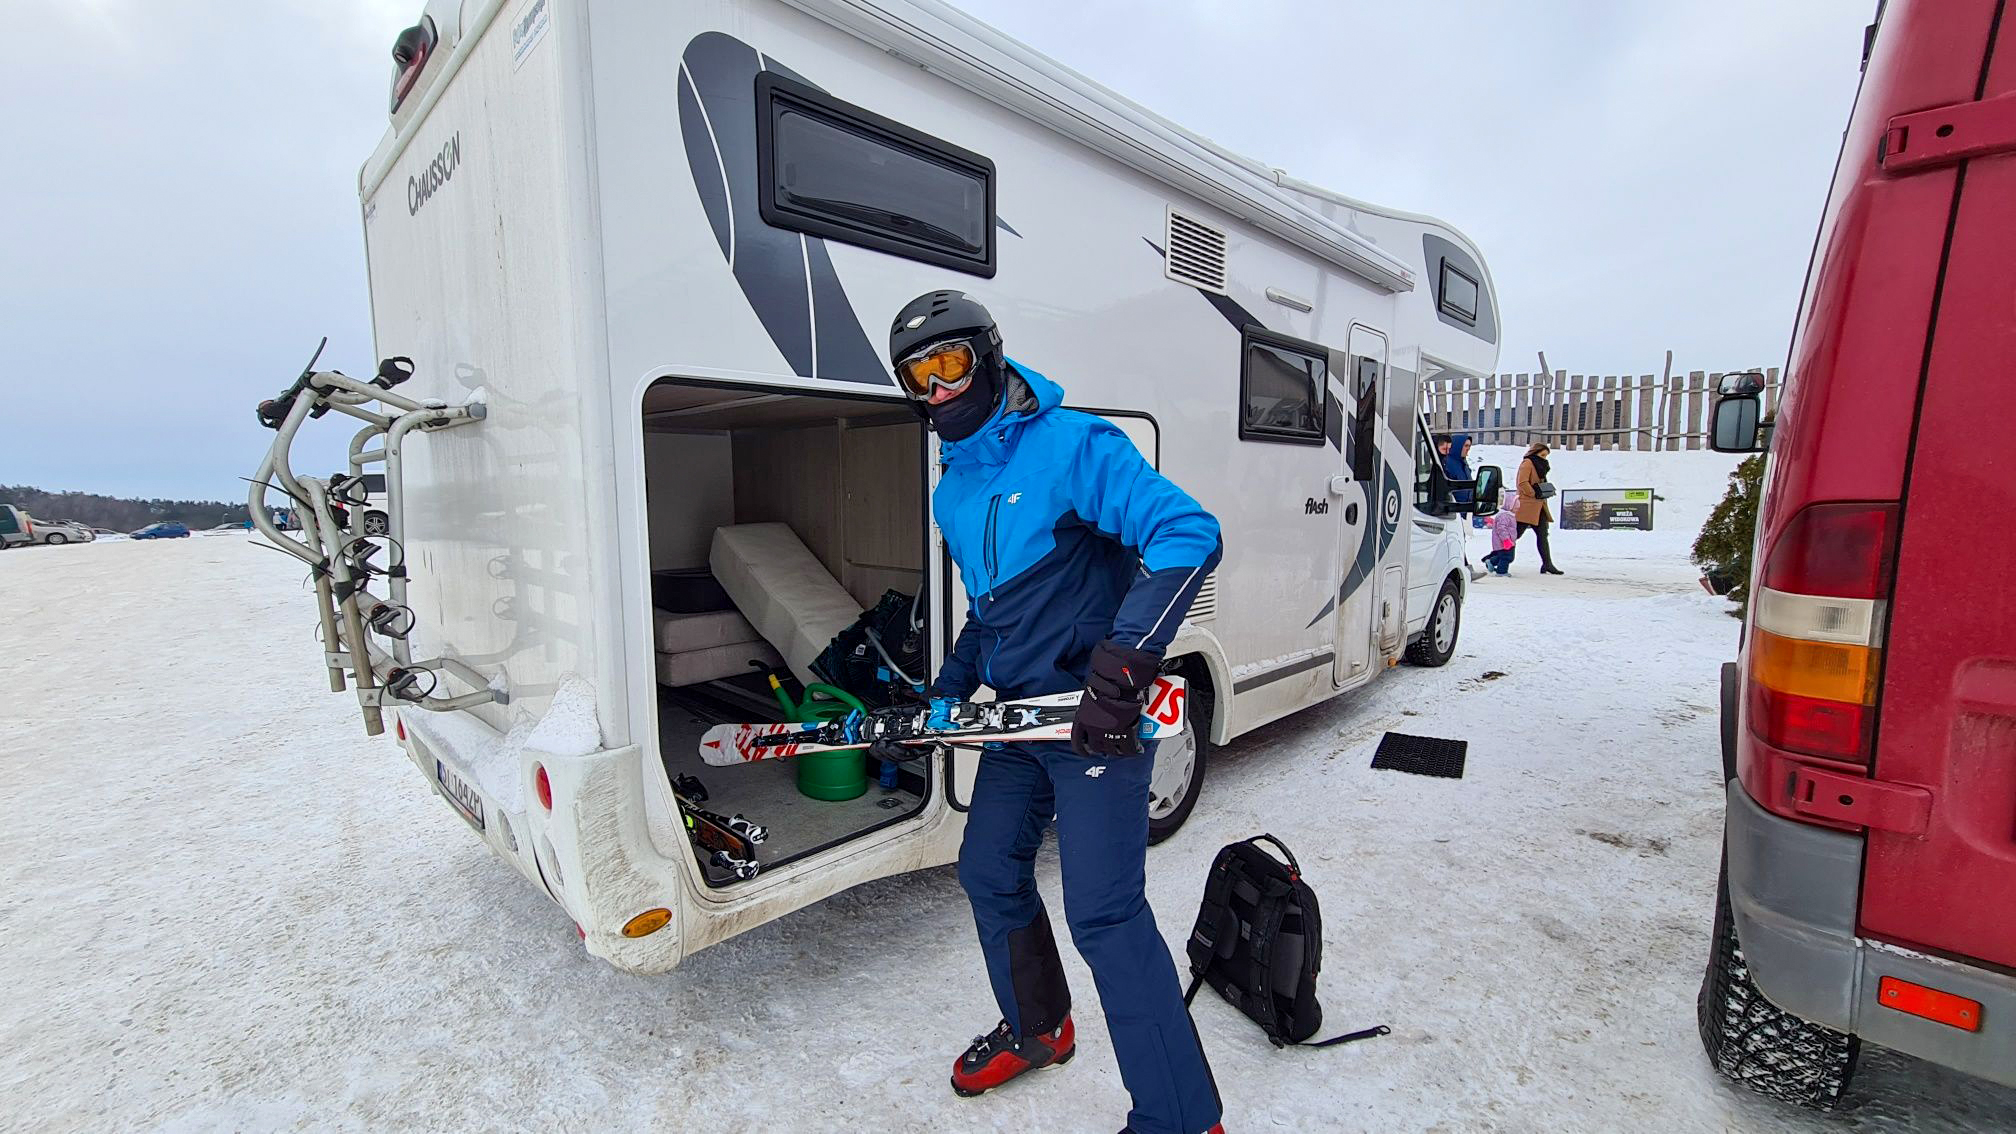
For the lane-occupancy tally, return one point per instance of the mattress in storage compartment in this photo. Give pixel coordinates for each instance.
(783, 590)
(678, 633)
(695, 666)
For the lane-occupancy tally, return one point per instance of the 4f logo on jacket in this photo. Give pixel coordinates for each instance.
(1096, 770)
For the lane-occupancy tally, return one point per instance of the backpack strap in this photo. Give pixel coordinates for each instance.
(1294, 868)
(1347, 1037)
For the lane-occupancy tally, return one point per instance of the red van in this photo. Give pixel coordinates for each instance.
(1868, 887)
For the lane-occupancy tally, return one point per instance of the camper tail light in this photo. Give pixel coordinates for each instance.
(410, 52)
(1816, 633)
(542, 784)
(647, 923)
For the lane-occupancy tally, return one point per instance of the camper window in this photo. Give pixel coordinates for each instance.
(835, 170)
(1426, 462)
(1281, 388)
(1365, 374)
(1458, 293)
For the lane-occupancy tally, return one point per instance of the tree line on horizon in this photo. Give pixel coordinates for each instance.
(119, 513)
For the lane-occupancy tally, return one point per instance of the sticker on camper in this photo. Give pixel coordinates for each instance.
(528, 29)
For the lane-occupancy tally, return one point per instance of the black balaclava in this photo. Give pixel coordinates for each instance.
(963, 416)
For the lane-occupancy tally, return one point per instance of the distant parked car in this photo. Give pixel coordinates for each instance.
(242, 525)
(62, 531)
(166, 529)
(15, 527)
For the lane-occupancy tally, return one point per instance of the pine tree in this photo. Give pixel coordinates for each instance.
(1723, 548)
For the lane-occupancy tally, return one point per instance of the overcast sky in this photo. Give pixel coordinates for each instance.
(180, 217)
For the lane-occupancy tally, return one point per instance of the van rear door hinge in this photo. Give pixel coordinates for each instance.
(1943, 135)
(1875, 804)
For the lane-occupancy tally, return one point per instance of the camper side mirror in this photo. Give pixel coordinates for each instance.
(1490, 483)
(1734, 426)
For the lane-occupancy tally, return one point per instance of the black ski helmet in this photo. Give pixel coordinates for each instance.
(939, 315)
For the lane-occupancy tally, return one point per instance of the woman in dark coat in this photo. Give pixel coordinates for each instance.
(1533, 510)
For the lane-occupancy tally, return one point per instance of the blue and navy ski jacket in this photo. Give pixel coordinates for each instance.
(1064, 535)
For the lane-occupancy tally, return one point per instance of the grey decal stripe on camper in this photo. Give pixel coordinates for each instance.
(1382, 519)
(787, 277)
(1247, 685)
(1369, 548)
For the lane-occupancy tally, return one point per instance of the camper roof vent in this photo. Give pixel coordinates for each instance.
(1196, 253)
(1205, 605)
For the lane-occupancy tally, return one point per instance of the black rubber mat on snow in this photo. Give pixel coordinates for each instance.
(1421, 755)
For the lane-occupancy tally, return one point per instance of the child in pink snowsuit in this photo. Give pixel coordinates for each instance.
(1504, 537)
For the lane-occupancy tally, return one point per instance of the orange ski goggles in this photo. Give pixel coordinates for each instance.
(945, 365)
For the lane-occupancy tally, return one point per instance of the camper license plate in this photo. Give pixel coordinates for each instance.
(461, 795)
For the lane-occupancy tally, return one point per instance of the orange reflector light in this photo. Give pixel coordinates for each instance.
(401, 726)
(1932, 1004)
(647, 923)
(1828, 671)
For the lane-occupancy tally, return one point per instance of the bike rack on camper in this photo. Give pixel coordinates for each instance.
(340, 558)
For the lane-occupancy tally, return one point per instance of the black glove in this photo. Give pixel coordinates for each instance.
(1108, 721)
(893, 752)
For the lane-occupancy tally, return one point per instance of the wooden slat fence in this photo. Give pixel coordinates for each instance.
(1576, 411)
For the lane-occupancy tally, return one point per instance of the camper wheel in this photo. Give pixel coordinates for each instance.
(1178, 777)
(1437, 643)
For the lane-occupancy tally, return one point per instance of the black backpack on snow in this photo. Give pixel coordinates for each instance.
(1259, 942)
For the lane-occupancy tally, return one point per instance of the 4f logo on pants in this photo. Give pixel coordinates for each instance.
(1096, 771)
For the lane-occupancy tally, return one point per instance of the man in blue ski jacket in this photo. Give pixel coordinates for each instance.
(1079, 562)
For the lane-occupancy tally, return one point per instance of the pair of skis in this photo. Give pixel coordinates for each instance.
(934, 722)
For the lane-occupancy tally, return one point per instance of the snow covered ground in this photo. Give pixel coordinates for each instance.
(222, 908)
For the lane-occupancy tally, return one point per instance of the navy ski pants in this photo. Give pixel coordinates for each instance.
(1101, 808)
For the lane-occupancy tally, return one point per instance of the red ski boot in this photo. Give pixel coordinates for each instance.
(999, 1056)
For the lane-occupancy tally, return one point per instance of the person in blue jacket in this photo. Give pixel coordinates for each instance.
(1456, 466)
(1079, 562)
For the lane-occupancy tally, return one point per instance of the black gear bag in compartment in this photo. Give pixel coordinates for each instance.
(1259, 942)
(881, 654)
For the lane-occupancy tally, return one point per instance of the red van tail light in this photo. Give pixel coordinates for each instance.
(543, 785)
(1816, 632)
(1838, 550)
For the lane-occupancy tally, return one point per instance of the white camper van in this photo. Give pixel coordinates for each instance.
(643, 259)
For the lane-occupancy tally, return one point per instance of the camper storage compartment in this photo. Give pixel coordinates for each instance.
(776, 520)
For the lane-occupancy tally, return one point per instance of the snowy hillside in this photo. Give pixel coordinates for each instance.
(222, 907)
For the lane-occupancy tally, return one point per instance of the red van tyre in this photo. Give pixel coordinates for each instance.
(1756, 1044)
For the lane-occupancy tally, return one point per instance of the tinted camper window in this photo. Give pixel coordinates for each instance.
(1459, 293)
(835, 170)
(1281, 390)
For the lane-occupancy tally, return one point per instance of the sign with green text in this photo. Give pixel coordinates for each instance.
(1591, 509)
